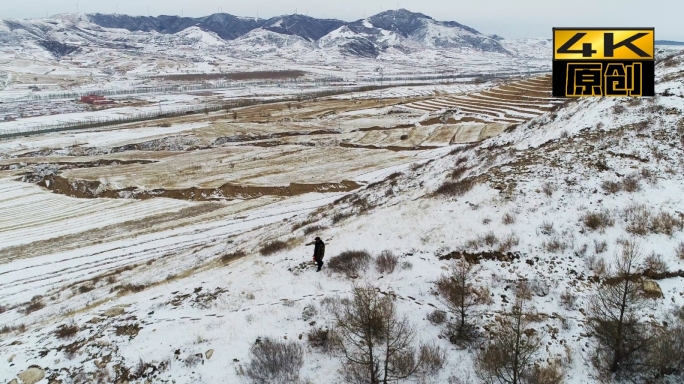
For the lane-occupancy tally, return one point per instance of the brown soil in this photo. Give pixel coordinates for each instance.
(89, 189)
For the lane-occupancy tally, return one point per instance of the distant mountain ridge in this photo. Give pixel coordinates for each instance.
(399, 30)
(668, 42)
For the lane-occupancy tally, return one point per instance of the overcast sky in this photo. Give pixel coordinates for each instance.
(509, 18)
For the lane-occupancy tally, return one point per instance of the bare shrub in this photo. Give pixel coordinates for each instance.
(490, 239)
(680, 250)
(274, 361)
(455, 188)
(568, 300)
(350, 262)
(666, 223)
(649, 176)
(66, 331)
(458, 172)
(600, 268)
(553, 372)
(508, 218)
(436, 317)
(611, 187)
(227, 258)
(547, 228)
(126, 288)
(432, 358)
(600, 246)
(386, 262)
(12, 328)
(638, 219)
(35, 304)
(406, 266)
(548, 189)
(618, 109)
(303, 224)
(631, 184)
(598, 220)
(655, 263)
(336, 218)
(314, 229)
(555, 245)
(321, 338)
(509, 242)
(273, 247)
(664, 361)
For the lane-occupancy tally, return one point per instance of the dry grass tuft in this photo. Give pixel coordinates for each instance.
(680, 250)
(455, 188)
(274, 247)
(387, 262)
(227, 258)
(598, 220)
(314, 229)
(555, 245)
(548, 189)
(508, 218)
(509, 242)
(340, 217)
(66, 331)
(35, 304)
(655, 263)
(611, 187)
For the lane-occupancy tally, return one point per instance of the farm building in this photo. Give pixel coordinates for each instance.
(96, 100)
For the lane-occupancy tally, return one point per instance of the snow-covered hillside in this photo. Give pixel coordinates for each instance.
(186, 305)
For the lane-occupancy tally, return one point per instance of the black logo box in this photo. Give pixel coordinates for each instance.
(560, 68)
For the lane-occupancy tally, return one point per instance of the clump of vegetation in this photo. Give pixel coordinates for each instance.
(640, 221)
(66, 331)
(321, 338)
(35, 304)
(386, 262)
(555, 245)
(509, 242)
(598, 220)
(548, 189)
(228, 257)
(336, 218)
(655, 263)
(350, 262)
(436, 317)
(129, 288)
(568, 300)
(455, 188)
(508, 218)
(274, 361)
(313, 229)
(273, 247)
(9, 328)
(680, 250)
(611, 187)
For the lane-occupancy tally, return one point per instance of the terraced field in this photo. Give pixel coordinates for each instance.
(510, 104)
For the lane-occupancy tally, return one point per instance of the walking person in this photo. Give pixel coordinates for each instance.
(319, 251)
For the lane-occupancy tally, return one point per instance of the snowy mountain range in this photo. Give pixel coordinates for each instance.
(400, 30)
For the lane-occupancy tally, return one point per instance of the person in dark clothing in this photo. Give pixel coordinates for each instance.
(319, 251)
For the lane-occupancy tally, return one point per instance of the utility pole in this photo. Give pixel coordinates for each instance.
(76, 7)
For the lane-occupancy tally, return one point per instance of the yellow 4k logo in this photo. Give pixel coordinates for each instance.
(603, 44)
